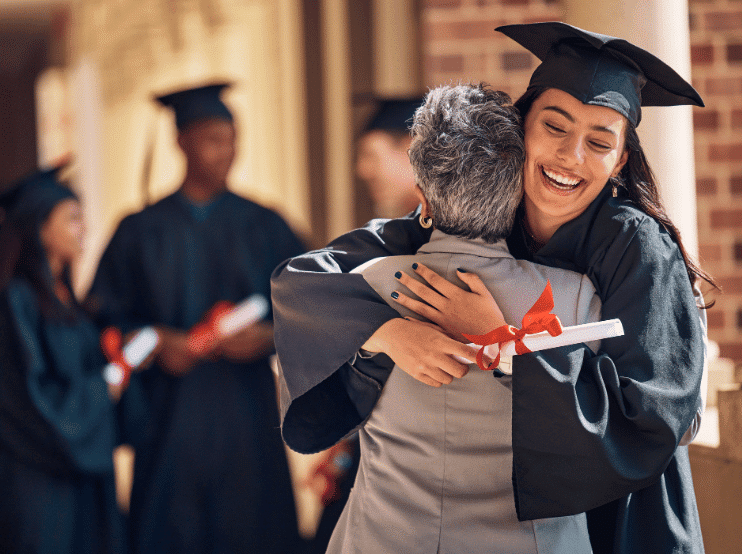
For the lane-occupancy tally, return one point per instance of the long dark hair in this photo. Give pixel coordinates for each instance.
(640, 184)
(22, 255)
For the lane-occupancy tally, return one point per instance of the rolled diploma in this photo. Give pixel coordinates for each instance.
(135, 352)
(252, 309)
(574, 334)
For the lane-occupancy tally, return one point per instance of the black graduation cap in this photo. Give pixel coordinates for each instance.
(32, 198)
(601, 70)
(394, 115)
(195, 104)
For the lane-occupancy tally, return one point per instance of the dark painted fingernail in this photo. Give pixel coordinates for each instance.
(398, 274)
(414, 266)
(395, 295)
(461, 270)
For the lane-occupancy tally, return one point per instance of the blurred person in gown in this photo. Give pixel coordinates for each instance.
(382, 161)
(57, 423)
(210, 472)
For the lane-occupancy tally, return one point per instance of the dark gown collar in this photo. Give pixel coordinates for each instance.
(570, 241)
(199, 212)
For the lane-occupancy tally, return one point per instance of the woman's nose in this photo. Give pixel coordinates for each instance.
(572, 150)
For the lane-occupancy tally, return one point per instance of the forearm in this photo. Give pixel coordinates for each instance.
(322, 314)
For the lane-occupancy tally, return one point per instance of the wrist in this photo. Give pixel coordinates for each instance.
(380, 340)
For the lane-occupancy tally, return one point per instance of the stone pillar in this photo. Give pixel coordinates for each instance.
(397, 67)
(338, 133)
(661, 27)
(730, 420)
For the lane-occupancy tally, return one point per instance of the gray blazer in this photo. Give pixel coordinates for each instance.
(435, 469)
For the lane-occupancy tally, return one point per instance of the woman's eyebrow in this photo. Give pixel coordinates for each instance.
(560, 111)
(571, 119)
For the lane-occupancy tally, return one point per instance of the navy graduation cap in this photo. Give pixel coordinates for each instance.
(32, 198)
(195, 104)
(394, 115)
(600, 70)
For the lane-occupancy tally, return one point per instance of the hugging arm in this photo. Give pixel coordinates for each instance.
(322, 316)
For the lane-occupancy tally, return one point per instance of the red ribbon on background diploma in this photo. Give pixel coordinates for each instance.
(206, 333)
(539, 318)
(112, 344)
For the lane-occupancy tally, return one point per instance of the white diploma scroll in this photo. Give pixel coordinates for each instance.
(223, 321)
(574, 334)
(134, 352)
(249, 311)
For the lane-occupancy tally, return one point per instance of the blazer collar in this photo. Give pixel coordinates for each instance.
(441, 242)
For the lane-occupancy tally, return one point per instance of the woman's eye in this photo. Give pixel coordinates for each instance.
(600, 146)
(553, 128)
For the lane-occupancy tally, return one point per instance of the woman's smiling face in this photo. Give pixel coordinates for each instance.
(572, 149)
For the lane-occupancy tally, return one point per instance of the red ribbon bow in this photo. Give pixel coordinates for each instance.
(112, 345)
(539, 318)
(204, 334)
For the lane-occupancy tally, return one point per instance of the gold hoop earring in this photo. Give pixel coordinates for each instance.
(425, 222)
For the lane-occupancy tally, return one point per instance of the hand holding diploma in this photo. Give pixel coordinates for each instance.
(502, 353)
(234, 331)
(540, 330)
(422, 350)
(122, 361)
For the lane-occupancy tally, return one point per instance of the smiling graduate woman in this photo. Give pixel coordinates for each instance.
(599, 433)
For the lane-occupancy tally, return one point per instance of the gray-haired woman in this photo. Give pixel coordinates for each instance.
(435, 470)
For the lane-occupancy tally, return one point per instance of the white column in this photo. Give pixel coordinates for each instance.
(88, 109)
(661, 27)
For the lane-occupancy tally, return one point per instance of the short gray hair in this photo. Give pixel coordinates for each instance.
(467, 153)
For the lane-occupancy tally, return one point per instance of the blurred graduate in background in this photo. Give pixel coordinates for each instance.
(57, 423)
(210, 473)
(382, 161)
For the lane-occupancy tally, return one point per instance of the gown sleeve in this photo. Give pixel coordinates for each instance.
(64, 382)
(322, 316)
(590, 429)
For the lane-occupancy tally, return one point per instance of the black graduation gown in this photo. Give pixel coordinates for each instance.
(57, 433)
(210, 470)
(595, 433)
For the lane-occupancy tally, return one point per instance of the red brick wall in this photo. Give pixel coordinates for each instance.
(459, 44)
(716, 55)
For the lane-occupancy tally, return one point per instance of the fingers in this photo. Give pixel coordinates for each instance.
(436, 376)
(422, 290)
(420, 308)
(422, 350)
(473, 281)
(428, 381)
(443, 286)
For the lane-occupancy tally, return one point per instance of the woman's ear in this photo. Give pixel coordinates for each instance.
(621, 163)
(424, 201)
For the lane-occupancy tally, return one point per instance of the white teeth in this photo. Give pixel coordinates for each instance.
(562, 179)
